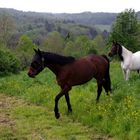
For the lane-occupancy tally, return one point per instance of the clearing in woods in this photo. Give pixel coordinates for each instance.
(20, 120)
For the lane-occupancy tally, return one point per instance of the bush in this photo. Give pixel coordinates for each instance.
(8, 62)
(25, 51)
(81, 46)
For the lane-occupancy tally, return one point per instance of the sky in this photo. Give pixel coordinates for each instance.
(71, 6)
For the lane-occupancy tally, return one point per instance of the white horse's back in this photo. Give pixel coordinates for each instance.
(135, 64)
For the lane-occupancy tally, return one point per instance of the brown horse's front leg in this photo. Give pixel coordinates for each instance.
(64, 91)
(68, 102)
(57, 115)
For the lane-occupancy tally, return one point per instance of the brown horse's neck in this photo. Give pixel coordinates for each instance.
(55, 68)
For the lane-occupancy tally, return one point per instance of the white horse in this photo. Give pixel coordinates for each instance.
(129, 60)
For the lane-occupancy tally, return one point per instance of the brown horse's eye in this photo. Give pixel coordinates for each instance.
(34, 65)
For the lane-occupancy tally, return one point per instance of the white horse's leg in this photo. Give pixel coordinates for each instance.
(127, 74)
(124, 73)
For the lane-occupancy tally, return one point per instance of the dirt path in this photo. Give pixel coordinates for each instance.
(20, 120)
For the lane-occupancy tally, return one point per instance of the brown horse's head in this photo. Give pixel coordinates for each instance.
(37, 64)
(116, 49)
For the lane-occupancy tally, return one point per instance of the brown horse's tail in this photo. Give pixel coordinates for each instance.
(107, 76)
(105, 57)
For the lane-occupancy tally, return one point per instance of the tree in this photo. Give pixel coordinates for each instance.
(81, 46)
(125, 29)
(49, 26)
(69, 48)
(99, 44)
(8, 61)
(54, 42)
(7, 26)
(25, 50)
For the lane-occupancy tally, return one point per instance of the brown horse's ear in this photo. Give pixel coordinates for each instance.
(35, 50)
(39, 52)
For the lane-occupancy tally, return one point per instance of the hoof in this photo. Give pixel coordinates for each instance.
(109, 93)
(57, 115)
(97, 101)
(69, 112)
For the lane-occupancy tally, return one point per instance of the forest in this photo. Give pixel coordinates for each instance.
(23, 31)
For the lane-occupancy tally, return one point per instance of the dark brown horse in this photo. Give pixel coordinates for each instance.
(70, 72)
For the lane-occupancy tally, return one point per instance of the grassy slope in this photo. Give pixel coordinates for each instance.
(118, 115)
(22, 120)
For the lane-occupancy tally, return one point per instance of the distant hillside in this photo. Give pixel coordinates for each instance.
(85, 18)
(88, 18)
(38, 25)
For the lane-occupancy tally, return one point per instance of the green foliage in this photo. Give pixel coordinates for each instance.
(53, 43)
(7, 26)
(125, 30)
(25, 51)
(69, 48)
(38, 25)
(8, 61)
(99, 44)
(81, 46)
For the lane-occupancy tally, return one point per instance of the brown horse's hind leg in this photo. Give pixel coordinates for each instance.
(99, 90)
(107, 84)
(107, 81)
(63, 92)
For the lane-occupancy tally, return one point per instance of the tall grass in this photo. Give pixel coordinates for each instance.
(117, 115)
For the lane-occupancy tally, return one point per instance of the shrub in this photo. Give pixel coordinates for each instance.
(25, 51)
(8, 62)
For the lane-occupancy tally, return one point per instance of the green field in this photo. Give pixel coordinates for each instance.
(114, 117)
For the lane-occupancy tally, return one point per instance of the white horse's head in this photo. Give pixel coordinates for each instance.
(115, 50)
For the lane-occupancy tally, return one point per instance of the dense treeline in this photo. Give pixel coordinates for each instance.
(126, 30)
(20, 32)
(85, 18)
(39, 24)
(66, 34)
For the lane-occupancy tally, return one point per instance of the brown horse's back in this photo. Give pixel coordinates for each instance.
(101, 63)
(82, 70)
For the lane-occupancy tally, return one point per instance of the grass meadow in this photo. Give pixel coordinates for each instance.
(117, 116)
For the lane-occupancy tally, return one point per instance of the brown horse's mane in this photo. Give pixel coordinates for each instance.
(53, 58)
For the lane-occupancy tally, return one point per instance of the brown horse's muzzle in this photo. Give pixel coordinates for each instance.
(31, 73)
